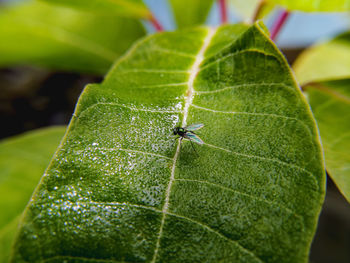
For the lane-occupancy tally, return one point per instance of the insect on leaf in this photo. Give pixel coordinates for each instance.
(121, 189)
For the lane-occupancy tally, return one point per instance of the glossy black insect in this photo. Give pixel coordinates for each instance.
(188, 133)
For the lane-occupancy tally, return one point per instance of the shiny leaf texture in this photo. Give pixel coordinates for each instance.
(121, 188)
(330, 102)
(190, 13)
(326, 61)
(128, 8)
(62, 38)
(23, 159)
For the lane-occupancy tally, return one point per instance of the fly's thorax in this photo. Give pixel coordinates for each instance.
(179, 131)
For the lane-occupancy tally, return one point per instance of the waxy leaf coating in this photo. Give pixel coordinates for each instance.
(121, 188)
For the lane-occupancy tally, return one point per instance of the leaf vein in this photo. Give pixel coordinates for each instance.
(124, 106)
(173, 52)
(189, 97)
(143, 70)
(271, 203)
(272, 115)
(243, 86)
(163, 85)
(129, 150)
(234, 242)
(201, 224)
(339, 139)
(82, 258)
(237, 53)
(266, 159)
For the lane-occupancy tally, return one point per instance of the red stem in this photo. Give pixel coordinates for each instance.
(223, 11)
(259, 8)
(280, 21)
(157, 26)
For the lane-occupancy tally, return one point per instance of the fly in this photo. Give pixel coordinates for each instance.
(188, 133)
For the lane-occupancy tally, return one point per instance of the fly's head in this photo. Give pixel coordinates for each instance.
(175, 130)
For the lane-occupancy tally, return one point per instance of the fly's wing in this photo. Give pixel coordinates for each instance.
(193, 127)
(193, 137)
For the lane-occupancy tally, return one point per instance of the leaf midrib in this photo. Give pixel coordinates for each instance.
(188, 101)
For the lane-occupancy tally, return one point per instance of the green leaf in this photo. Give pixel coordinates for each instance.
(326, 61)
(121, 189)
(23, 160)
(62, 38)
(330, 102)
(313, 5)
(324, 72)
(128, 8)
(247, 8)
(190, 13)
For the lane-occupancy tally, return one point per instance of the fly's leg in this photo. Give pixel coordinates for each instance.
(179, 138)
(194, 148)
(180, 141)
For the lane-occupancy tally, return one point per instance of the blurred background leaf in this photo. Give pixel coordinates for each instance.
(324, 73)
(23, 160)
(330, 60)
(313, 5)
(38, 33)
(190, 13)
(127, 8)
(330, 102)
(246, 8)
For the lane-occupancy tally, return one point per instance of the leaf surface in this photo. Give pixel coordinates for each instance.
(128, 8)
(62, 38)
(23, 160)
(328, 61)
(121, 189)
(330, 102)
(190, 13)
